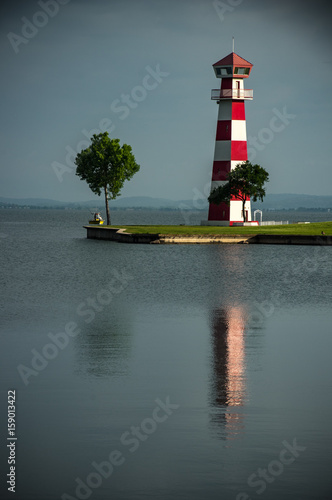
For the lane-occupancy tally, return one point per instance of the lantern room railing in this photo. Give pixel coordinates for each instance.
(217, 94)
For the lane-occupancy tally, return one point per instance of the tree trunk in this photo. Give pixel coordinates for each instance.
(107, 207)
(243, 210)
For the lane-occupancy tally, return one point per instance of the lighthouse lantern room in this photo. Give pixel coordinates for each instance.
(231, 136)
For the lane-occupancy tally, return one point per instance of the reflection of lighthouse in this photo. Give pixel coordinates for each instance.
(228, 361)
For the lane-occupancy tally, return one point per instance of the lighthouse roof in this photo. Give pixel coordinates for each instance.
(233, 60)
(232, 66)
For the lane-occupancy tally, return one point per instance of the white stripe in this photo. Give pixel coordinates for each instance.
(225, 110)
(216, 184)
(239, 131)
(234, 163)
(222, 151)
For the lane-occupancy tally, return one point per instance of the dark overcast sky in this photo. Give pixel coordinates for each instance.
(70, 73)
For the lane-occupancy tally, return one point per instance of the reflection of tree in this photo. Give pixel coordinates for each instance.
(228, 375)
(103, 348)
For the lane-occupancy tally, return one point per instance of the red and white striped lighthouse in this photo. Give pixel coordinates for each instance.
(231, 137)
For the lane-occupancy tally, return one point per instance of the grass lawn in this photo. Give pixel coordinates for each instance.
(314, 228)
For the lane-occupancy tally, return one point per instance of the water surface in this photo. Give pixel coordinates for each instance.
(195, 367)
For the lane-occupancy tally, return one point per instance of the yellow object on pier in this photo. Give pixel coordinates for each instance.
(96, 221)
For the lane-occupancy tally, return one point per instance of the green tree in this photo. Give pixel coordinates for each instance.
(245, 180)
(105, 166)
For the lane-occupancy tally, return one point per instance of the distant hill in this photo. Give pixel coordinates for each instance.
(37, 202)
(129, 202)
(271, 202)
(146, 202)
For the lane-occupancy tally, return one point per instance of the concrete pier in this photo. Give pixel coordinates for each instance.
(120, 236)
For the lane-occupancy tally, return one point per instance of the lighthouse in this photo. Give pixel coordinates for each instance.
(231, 136)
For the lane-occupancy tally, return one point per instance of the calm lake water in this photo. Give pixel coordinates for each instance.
(163, 372)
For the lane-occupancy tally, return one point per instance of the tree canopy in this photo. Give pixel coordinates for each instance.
(105, 166)
(244, 181)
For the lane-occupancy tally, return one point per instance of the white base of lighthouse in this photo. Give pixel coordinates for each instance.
(235, 212)
(236, 215)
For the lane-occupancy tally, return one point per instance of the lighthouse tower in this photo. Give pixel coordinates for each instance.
(231, 137)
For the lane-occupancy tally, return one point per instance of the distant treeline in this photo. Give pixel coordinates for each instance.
(7, 206)
(299, 209)
(161, 209)
(97, 207)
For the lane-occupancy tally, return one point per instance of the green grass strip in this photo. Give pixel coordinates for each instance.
(314, 228)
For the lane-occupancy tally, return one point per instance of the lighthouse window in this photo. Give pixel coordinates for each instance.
(241, 71)
(226, 71)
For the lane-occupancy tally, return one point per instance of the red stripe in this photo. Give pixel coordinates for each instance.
(239, 151)
(238, 111)
(226, 83)
(233, 198)
(224, 130)
(218, 212)
(220, 170)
